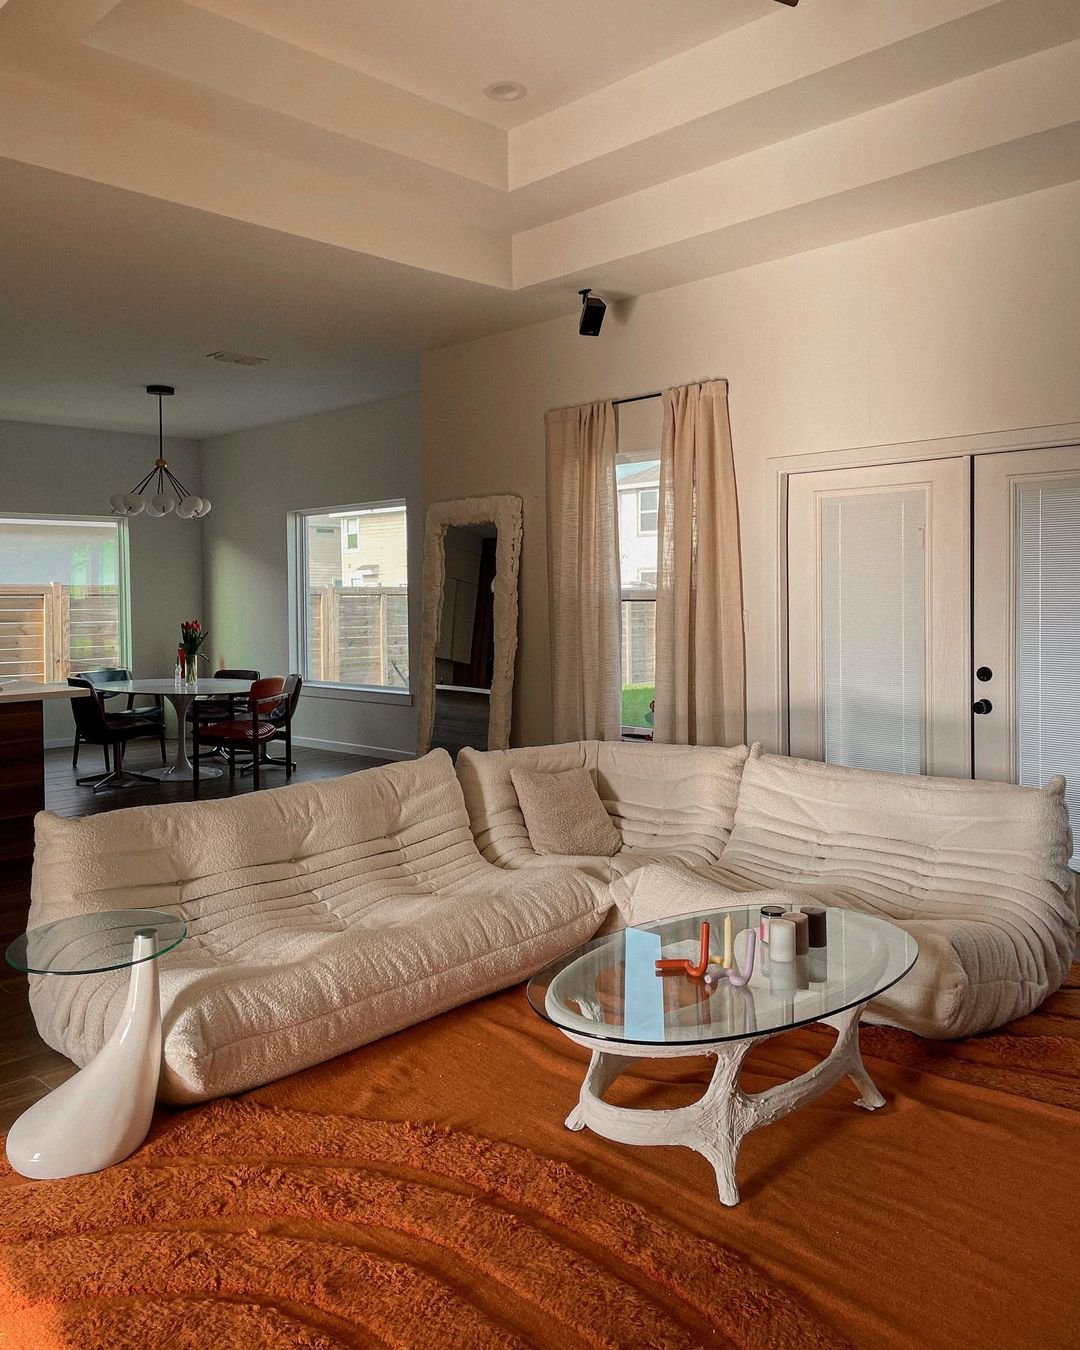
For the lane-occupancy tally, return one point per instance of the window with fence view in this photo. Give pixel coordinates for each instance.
(353, 571)
(638, 483)
(62, 598)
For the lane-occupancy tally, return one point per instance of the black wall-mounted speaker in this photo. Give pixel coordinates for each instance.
(593, 310)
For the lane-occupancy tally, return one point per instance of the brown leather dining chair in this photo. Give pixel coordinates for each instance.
(246, 734)
(282, 717)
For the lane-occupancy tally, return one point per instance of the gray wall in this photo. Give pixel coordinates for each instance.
(74, 471)
(254, 478)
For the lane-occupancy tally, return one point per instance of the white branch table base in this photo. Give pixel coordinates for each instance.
(717, 1123)
(101, 1114)
(655, 991)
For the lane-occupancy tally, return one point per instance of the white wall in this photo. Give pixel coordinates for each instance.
(74, 471)
(254, 478)
(965, 324)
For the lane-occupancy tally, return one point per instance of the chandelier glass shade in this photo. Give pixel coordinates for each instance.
(167, 492)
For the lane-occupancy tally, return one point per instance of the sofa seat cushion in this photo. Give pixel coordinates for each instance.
(320, 917)
(976, 871)
(662, 799)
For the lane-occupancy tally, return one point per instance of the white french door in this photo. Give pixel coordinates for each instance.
(934, 617)
(879, 616)
(1026, 651)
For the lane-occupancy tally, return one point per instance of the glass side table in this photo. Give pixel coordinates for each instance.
(101, 1114)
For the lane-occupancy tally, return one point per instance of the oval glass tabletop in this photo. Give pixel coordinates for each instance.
(94, 942)
(609, 989)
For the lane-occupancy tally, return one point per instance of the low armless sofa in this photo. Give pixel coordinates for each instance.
(976, 872)
(325, 915)
(320, 916)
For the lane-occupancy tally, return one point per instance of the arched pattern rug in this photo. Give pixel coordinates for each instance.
(316, 1212)
(239, 1225)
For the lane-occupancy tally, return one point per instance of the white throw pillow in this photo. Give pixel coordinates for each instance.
(564, 814)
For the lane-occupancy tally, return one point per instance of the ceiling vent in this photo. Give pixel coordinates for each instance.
(238, 358)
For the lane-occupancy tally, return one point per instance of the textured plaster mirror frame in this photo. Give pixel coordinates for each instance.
(506, 513)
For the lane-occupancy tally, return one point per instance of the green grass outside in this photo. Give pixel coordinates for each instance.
(635, 704)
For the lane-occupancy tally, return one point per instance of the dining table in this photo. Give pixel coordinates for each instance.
(181, 695)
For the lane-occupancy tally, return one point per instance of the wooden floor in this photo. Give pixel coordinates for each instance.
(28, 1068)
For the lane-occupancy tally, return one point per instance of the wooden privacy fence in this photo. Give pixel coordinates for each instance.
(359, 635)
(49, 631)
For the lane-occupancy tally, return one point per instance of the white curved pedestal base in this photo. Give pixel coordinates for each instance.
(716, 1124)
(103, 1113)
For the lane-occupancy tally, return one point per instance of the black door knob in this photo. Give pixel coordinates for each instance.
(981, 707)
(984, 673)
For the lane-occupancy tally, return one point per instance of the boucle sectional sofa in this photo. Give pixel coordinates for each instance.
(325, 915)
(320, 917)
(976, 872)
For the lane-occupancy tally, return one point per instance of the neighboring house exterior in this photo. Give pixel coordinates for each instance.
(373, 548)
(324, 551)
(639, 492)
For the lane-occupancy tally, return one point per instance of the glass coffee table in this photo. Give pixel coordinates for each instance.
(102, 1113)
(608, 997)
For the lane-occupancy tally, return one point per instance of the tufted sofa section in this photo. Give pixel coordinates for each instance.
(673, 803)
(976, 872)
(321, 917)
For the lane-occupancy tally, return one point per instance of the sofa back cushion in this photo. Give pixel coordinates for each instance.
(399, 828)
(669, 797)
(675, 797)
(491, 801)
(921, 847)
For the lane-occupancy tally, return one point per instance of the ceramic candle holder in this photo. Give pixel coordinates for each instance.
(768, 912)
(781, 939)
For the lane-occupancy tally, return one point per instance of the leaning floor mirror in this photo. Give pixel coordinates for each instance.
(470, 623)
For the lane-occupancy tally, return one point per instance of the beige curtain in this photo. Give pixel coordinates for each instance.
(583, 572)
(700, 681)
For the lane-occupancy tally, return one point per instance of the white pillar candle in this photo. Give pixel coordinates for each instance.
(729, 942)
(782, 939)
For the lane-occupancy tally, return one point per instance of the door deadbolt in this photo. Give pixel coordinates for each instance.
(984, 673)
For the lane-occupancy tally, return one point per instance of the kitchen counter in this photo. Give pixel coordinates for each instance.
(22, 762)
(38, 693)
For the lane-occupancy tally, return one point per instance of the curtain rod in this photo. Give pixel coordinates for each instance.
(636, 398)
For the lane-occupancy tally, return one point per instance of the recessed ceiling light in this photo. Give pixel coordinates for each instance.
(505, 91)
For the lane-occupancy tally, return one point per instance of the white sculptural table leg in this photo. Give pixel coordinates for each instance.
(716, 1124)
(103, 1113)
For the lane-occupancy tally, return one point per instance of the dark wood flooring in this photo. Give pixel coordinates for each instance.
(28, 1068)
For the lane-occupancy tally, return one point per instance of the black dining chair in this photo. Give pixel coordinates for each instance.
(97, 727)
(101, 679)
(281, 717)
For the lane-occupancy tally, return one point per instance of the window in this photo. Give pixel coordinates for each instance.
(637, 478)
(63, 597)
(350, 573)
(648, 504)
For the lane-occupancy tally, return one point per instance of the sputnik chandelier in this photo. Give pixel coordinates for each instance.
(170, 494)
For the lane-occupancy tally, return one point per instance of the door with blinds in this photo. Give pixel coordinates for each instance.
(879, 615)
(1026, 650)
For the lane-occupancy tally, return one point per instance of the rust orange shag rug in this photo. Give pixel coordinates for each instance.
(318, 1212)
